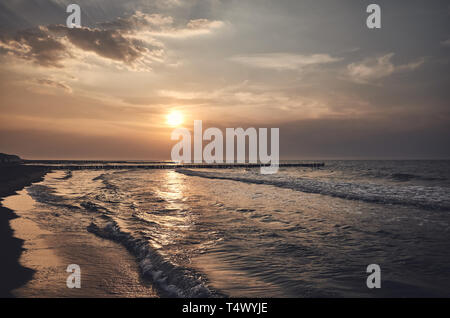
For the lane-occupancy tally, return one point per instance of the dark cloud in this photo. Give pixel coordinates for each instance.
(48, 46)
(110, 44)
(36, 45)
(115, 40)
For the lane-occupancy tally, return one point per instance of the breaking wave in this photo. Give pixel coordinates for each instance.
(431, 198)
(169, 280)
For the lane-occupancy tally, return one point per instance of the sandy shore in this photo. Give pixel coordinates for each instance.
(37, 254)
(12, 274)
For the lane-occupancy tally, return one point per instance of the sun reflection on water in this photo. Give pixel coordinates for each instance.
(173, 190)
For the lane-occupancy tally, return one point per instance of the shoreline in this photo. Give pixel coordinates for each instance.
(13, 178)
(37, 256)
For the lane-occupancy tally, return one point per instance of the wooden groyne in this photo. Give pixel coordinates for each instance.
(110, 165)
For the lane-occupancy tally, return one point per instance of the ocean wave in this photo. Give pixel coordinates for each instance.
(432, 198)
(104, 177)
(68, 175)
(169, 280)
(46, 194)
(92, 207)
(409, 176)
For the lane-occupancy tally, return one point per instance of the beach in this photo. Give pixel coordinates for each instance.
(13, 178)
(303, 232)
(108, 269)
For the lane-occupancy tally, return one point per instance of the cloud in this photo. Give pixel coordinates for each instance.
(372, 69)
(139, 21)
(53, 84)
(446, 43)
(163, 26)
(283, 61)
(200, 26)
(130, 41)
(110, 44)
(36, 45)
(50, 46)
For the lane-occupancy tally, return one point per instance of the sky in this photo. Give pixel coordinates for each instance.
(334, 88)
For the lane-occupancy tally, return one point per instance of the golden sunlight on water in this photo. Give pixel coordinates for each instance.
(173, 190)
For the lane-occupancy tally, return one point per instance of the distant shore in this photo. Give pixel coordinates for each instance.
(13, 178)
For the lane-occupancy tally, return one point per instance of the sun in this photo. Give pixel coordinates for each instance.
(174, 118)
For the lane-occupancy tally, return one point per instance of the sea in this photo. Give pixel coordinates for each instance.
(182, 232)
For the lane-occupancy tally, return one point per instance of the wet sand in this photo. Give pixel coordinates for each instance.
(107, 269)
(35, 257)
(12, 274)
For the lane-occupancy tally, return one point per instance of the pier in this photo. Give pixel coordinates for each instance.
(107, 165)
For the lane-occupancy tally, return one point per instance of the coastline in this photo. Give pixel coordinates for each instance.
(37, 256)
(13, 178)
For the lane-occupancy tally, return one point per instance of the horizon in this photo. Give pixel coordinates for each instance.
(281, 159)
